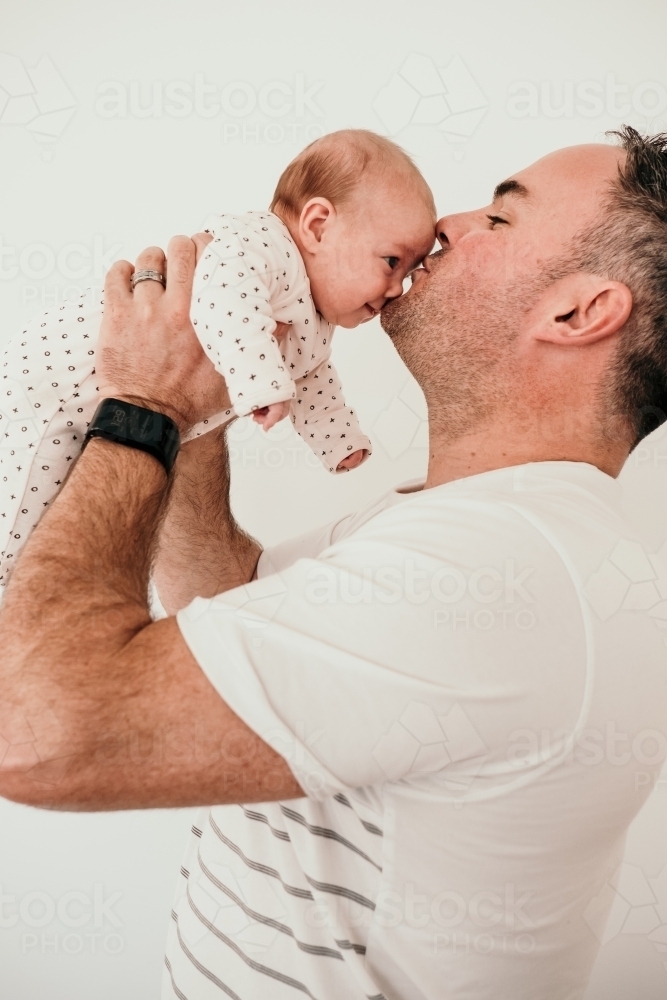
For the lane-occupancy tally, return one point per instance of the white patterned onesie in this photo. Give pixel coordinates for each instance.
(250, 278)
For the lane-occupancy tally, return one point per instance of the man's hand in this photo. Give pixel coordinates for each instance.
(148, 351)
(150, 355)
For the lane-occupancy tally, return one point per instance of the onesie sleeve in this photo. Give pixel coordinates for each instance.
(232, 314)
(322, 418)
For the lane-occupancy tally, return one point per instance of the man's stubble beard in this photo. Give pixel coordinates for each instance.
(457, 343)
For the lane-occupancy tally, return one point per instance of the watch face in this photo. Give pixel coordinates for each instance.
(137, 427)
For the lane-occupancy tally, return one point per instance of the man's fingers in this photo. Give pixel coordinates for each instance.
(181, 266)
(117, 282)
(151, 259)
(201, 241)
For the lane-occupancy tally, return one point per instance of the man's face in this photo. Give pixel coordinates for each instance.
(458, 329)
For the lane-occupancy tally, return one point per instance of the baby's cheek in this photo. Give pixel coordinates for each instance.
(358, 286)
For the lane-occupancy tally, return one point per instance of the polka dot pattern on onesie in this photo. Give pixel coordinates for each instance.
(250, 278)
(46, 403)
(253, 278)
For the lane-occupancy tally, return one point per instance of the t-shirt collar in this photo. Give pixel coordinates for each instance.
(529, 478)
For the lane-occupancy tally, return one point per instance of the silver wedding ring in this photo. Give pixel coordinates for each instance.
(148, 275)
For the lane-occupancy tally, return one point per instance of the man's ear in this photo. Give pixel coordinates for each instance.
(580, 309)
(316, 215)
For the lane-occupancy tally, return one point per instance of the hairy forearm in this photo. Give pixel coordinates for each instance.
(76, 599)
(202, 551)
(94, 545)
(85, 673)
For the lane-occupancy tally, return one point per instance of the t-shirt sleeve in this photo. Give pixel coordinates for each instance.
(405, 653)
(309, 545)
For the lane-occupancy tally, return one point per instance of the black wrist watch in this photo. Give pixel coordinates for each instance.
(136, 427)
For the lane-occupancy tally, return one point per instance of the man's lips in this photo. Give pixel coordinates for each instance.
(424, 268)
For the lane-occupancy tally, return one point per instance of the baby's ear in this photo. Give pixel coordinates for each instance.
(316, 215)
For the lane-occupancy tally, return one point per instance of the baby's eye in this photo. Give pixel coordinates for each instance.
(392, 261)
(495, 219)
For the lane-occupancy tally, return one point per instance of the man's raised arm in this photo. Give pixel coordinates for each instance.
(201, 550)
(84, 673)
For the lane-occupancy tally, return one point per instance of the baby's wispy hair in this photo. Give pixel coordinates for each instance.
(334, 165)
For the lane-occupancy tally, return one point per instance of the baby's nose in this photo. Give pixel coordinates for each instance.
(395, 287)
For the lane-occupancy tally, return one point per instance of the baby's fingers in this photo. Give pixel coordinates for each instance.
(267, 416)
(352, 461)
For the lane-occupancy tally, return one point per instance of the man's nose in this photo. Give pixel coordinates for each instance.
(450, 228)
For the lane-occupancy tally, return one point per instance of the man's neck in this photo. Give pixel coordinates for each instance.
(503, 446)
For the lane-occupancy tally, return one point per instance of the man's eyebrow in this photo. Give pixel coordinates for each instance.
(510, 187)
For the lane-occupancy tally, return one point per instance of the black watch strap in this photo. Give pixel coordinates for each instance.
(136, 427)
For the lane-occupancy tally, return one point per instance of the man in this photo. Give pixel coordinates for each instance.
(430, 699)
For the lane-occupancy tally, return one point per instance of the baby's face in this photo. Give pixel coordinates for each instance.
(375, 240)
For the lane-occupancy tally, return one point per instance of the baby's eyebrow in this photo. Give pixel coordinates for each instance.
(510, 187)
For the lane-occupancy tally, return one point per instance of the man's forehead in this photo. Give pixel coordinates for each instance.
(585, 166)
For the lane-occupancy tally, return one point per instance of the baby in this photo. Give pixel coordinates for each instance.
(350, 218)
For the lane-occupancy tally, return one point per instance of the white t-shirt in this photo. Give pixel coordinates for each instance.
(469, 684)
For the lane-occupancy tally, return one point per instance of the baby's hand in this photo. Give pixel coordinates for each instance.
(267, 416)
(353, 460)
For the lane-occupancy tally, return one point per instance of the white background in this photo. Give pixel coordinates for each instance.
(113, 184)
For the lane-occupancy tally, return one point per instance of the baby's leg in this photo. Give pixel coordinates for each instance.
(48, 395)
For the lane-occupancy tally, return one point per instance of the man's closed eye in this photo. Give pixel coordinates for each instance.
(495, 219)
